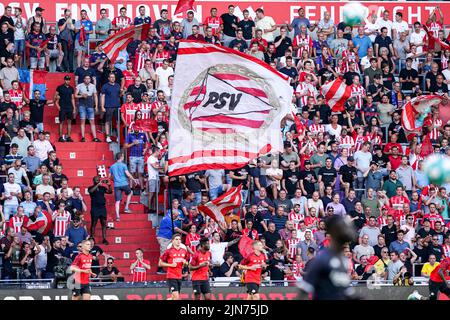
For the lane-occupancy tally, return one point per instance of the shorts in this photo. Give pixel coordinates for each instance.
(252, 288)
(201, 287)
(174, 285)
(136, 164)
(54, 53)
(436, 287)
(65, 115)
(84, 289)
(215, 192)
(98, 213)
(153, 185)
(86, 112)
(79, 47)
(118, 192)
(109, 114)
(34, 61)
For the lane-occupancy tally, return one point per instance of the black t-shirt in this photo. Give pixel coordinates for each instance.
(327, 175)
(373, 88)
(246, 27)
(348, 174)
(98, 196)
(96, 250)
(257, 219)
(348, 77)
(291, 179)
(390, 234)
(284, 45)
(325, 75)
(436, 250)
(7, 105)
(230, 236)
(52, 258)
(137, 92)
(439, 89)
(307, 177)
(324, 112)
(192, 182)
(10, 20)
(37, 110)
(398, 128)
(107, 272)
(423, 233)
(175, 183)
(361, 221)
(4, 38)
(276, 268)
(381, 160)
(404, 74)
(65, 96)
(81, 73)
(432, 77)
(224, 268)
(388, 80)
(271, 238)
(27, 124)
(290, 72)
(228, 20)
(57, 178)
(245, 171)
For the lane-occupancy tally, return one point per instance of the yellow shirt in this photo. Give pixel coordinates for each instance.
(380, 266)
(428, 268)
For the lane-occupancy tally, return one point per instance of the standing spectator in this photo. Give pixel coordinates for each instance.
(188, 23)
(8, 74)
(110, 103)
(103, 25)
(122, 21)
(37, 110)
(120, 173)
(142, 18)
(153, 177)
(65, 102)
(11, 193)
(247, 26)
(98, 204)
(300, 21)
(86, 94)
(66, 26)
(42, 147)
(37, 18)
(20, 27)
(163, 25)
(76, 233)
(230, 26)
(136, 141)
(34, 42)
(162, 74)
(54, 49)
(83, 29)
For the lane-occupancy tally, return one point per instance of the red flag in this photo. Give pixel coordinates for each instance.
(299, 126)
(146, 125)
(432, 40)
(336, 93)
(82, 37)
(42, 46)
(427, 147)
(220, 206)
(245, 246)
(119, 41)
(184, 5)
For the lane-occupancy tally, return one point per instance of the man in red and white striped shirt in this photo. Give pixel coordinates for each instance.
(17, 95)
(214, 22)
(397, 201)
(358, 92)
(160, 105)
(292, 243)
(306, 89)
(302, 42)
(128, 110)
(122, 21)
(316, 127)
(160, 55)
(433, 215)
(139, 267)
(19, 219)
(433, 25)
(446, 245)
(61, 220)
(382, 219)
(129, 75)
(146, 107)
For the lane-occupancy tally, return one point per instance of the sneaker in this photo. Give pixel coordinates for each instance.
(105, 242)
(126, 210)
(69, 139)
(58, 69)
(61, 139)
(96, 140)
(83, 140)
(160, 271)
(108, 139)
(118, 219)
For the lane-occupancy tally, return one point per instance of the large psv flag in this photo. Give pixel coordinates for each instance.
(219, 207)
(119, 41)
(226, 109)
(336, 93)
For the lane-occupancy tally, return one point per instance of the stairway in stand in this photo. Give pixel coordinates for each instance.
(79, 161)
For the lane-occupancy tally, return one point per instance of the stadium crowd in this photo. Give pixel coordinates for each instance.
(359, 162)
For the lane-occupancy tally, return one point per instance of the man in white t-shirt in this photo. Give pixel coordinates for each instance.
(371, 27)
(42, 147)
(385, 22)
(153, 177)
(11, 195)
(363, 158)
(399, 26)
(162, 75)
(266, 24)
(19, 174)
(217, 249)
(417, 37)
(45, 187)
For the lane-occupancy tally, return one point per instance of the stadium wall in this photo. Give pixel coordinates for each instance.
(281, 11)
(218, 293)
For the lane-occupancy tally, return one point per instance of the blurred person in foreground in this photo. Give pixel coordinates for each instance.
(326, 277)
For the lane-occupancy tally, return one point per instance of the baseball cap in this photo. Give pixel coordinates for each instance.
(373, 162)
(190, 11)
(350, 158)
(307, 162)
(39, 9)
(145, 93)
(376, 147)
(425, 220)
(76, 219)
(67, 77)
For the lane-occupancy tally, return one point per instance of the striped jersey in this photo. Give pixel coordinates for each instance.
(214, 23)
(307, 88)
(61, 221)
(159, 57)
(358, 92)
(128, 111)
(396, 203)
(434, 27)
(121, 22)
(16, 97)
(446, 249)
(17, 222)
(381, 221)
(140, 272)
(292, 247)
(304, 43)
(192, 241)
(296, 218)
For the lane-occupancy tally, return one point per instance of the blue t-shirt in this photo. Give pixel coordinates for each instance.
(138, 149)
(364, 43)
(88, 26)
(76, 235)
(112, 95)
(118, 170)
(165, 227)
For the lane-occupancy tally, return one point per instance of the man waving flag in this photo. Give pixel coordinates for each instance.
(219, 207)
(226, 109)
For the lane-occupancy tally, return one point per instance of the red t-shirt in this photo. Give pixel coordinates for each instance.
(395, 162)
(253, 276)
(179, 257)
(129, 77)
(84, 262)
(445, 266)
(388, 147)
(140, 272)
(198, 258)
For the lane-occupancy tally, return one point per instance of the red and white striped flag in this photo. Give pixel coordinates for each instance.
(419, 105)
(119, 41)
(336, 93)
(226, 109)
(433, 41)
(219, 207)
(183, 6)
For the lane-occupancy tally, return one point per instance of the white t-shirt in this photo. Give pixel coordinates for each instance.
(362, 161)
(335, 132)
(41, 258)
(42, 149)
(365, 62)
(370, 27)
(400, 27)
(416, 38)
(315, 204)
(152, 172)
(217, 252)
(415, 62)
(408, 235)
(41, 189)
(18, 174)
(388, 24)
(11, 187)
(19, 33)
(163, 77)
(69, 192)
(446, 74)
(266, 23)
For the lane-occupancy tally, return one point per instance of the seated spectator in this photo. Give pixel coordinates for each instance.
(110, 273)
(429, 266)
(229, 267)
